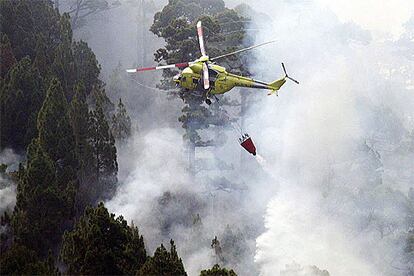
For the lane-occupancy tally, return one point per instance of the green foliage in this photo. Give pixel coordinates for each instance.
(188, 10)
(78, 113)
(56, 134)
(3, 168)
(19, 260)
(41, 207)
(20, 20)
(87, 67)
(121, 123)
(45, 192)
(34, 31)
(216, 270)
(20, 99)
(101, 244)
(63, 66)
(104, 163)
(43, 59)
(7, 59)
(58, 137)
(18, 24)
(163, 263)
(99, 98)
(95, 151)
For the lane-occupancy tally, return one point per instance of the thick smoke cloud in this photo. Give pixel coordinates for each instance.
(338, 135)
(7, 187)
(162, 198)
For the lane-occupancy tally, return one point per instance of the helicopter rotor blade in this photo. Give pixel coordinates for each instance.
(284, 69)
(206, 76)
(169, 66)
(286, 75)
(292, 79)
(201, 38)
(242, 50)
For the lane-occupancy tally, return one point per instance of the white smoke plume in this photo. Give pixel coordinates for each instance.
(339, 135)
(7, 187)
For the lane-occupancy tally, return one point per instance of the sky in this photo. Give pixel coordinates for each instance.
(383, 18)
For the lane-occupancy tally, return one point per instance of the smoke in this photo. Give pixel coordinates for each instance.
(7, 187)
(7, 195)
(159, 195)
(342, 200)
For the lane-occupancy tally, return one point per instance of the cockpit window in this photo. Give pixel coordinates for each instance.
(213, 74)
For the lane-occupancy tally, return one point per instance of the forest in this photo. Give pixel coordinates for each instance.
(105, 173)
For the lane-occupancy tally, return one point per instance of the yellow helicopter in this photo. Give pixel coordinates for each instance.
(206, 76)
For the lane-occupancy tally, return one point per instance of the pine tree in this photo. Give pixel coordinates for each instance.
(56, 135)
(20, 99)
(19, 260)
(41, 207)
(176, 23)
(121, 123)
(216, 270)
(79, 119)
(163, 263)
(87, 67)
(78, 114)
(17, 22)
(63, 66)
(98, 97)
(7, 59)
(104, 163)
(101, 244)
(25, 21)
(42, 60)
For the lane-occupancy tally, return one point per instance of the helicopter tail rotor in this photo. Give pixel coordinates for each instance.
(286, 75)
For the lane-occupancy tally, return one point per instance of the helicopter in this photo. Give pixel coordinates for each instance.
(206, 76)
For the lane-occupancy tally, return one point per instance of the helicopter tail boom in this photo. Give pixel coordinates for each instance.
(277, 84)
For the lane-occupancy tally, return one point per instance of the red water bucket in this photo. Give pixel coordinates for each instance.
(248, 145)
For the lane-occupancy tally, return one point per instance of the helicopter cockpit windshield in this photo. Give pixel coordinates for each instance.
(212, 74)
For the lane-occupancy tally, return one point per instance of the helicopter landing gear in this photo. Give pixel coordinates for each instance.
(208, 101)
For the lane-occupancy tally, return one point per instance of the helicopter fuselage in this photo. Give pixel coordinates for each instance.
(220, 80)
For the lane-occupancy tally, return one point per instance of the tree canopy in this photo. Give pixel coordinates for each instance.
(163, 263)
(223, 32)
(101, 244)
(216, 270)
